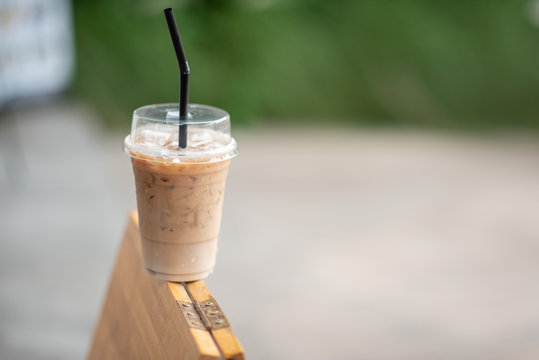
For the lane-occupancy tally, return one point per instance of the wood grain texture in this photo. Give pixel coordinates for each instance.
(140, 317)
(225, 338)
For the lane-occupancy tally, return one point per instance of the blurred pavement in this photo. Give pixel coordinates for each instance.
(343, 244)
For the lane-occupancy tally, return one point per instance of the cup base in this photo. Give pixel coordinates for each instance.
(179, 278)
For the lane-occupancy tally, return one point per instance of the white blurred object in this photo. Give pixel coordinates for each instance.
(36, 48)
(532, 10)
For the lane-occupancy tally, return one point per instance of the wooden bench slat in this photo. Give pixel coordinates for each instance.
(143, 317)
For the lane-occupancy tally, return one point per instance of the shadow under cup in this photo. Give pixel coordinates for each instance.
(180, 191)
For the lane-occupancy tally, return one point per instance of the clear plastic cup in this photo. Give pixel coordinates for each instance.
(180, 191)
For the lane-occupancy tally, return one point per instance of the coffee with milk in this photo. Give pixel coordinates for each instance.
(180, 191)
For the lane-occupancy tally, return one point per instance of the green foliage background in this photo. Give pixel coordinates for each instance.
(465, 64)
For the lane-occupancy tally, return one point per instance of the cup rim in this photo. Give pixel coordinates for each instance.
(228, 152)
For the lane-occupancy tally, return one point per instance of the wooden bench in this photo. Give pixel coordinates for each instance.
(147, 318)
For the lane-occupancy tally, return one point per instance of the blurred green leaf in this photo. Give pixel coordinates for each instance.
(467, 64)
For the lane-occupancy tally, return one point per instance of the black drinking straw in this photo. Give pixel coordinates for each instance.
(184, 76)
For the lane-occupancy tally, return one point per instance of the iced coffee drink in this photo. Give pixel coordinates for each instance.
(180, 191)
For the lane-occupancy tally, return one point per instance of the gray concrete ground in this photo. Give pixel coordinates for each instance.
(343, 244)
